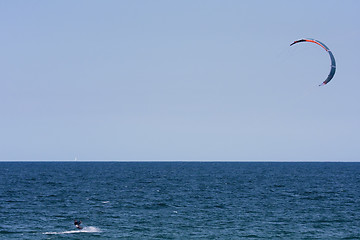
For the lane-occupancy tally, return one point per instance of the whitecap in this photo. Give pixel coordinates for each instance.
(84, 230)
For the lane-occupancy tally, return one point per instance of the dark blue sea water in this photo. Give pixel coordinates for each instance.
(179, 200)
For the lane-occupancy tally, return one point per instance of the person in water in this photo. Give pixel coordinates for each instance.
(77, 224)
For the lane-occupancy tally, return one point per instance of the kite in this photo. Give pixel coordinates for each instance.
(333, 64)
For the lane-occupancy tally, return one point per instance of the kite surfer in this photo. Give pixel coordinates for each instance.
(77, 224)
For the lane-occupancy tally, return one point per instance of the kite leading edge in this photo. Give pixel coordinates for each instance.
(333, 63)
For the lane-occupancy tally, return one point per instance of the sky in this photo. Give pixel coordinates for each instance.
(178, 80)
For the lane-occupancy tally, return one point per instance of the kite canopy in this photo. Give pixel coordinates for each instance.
(333, 64)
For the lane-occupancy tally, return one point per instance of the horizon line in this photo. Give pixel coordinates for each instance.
(147, 160)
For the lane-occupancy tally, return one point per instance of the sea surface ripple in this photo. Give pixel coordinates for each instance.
(179, 200)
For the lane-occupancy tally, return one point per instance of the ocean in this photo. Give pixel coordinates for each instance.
(179, 200)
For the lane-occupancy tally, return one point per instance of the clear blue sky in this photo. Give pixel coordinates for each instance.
(178, 80)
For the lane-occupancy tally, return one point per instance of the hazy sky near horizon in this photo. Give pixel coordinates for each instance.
(178, 80)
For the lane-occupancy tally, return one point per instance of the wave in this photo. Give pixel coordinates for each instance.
(84, 230)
